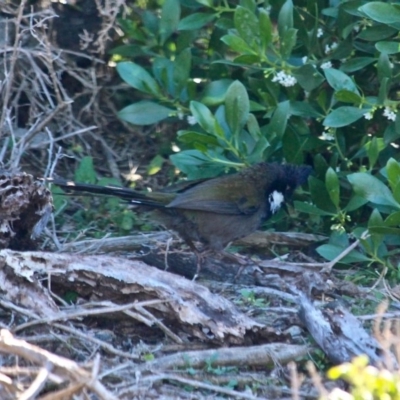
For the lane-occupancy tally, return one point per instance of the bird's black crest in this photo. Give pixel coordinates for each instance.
(297, 174)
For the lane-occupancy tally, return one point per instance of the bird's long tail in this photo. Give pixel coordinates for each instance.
(156, 200)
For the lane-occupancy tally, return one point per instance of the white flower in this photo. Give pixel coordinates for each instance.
(389, 114)
(180, 114)
(356, 28)
(284, 79)
(329, 49)
(326, 65)
(320, 32)
(326, 135)
(369, 115)
(391, 65)
(304, 59)
(191, 120)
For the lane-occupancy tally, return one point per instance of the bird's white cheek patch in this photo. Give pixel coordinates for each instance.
(275, 201)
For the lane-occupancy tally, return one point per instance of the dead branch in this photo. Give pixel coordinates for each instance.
(254, 356)
(64, 367)
(190, 305)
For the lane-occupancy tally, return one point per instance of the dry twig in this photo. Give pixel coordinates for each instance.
(67, 369)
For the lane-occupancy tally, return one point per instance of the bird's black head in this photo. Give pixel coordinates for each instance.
(287, 177)
(295, 175)
(283, 180)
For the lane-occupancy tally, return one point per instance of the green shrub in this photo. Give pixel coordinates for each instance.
(313, 81)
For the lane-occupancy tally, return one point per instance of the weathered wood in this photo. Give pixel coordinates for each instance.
(183, 305)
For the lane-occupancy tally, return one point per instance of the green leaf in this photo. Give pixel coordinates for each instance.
(170, 16)
(310, 209)
(137, 77)
(254, 128)
(320, 165)
(266, 29)
(356, 63)
(224, 23)
(303, 109)
(393, 172)
(287, 43)
(343, 116)
(384, 67)
(381, 12)
(355, 203)
(396, 192)
(181, 72)
(214, 93)
(246, 24)
(383, 89)
(388, 47)
(257, 154)
(277, 125)
(155, 165)
(207, 3)
(375, 220)
(330, 252)
(374, 147)
(245, 59)
(128, 50)
(195, 164)
(292, 146)
(308, 77)
(151, 22)
(255, 107)
(203, 116)
(348, 97)
(393, 219)
(237, 44)
(338, 80)
(237, 107)
(163, 69)
(195, 21)
(144, 113)
(319, 195)
(191, 137)
(340, 239)
(332, 186)
(285, 18)
(85, 172)
(372, 189)
(376, 32)
(384, 230)
(248, 4)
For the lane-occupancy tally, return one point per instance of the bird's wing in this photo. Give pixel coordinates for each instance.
(226, 195)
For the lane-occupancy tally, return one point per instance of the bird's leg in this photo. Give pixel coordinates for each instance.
(199, 257)
(240, 270)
